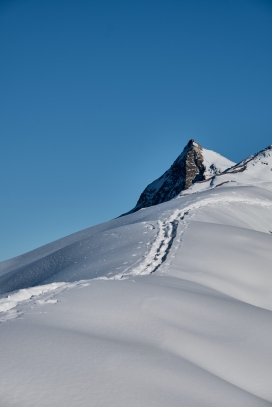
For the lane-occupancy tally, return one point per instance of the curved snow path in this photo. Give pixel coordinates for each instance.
(168, 232)
(10, 306)
(42, 294)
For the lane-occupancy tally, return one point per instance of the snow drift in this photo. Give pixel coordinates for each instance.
(167, 306)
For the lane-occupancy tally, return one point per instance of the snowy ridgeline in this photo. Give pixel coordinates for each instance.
(168, 306)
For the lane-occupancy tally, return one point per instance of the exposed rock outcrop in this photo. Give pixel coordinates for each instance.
(190, 167)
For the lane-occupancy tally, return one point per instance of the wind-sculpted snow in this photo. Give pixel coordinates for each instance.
(151, 340)
(168, 306)
(137, 246)
(173, 224)
(91, 254)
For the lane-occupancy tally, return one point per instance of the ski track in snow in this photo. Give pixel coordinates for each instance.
(168, 232)
(10, 305)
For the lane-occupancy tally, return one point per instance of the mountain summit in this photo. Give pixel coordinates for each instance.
(194, 164)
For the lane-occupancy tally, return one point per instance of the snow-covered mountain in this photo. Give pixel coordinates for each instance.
(194, 164)
(168, 306)
(256, 169)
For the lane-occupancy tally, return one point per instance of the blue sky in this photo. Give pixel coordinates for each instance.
(98, 98)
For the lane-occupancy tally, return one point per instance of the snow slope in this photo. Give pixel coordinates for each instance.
(168, 306)
(214, 163)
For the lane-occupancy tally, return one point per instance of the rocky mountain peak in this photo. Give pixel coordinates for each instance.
(192, 165)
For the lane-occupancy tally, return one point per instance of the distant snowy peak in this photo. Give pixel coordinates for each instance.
(194, 164)
(258, 165)
(255, 169)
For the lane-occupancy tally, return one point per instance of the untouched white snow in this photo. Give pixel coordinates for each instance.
(214, 163)
(169, 306)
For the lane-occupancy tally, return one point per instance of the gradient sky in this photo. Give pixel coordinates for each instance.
(98, 97)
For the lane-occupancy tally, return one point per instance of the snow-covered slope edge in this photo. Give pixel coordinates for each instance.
(138, 244)
(196, 332)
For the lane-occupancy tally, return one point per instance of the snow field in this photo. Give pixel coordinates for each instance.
(151, 340)
(196, 332)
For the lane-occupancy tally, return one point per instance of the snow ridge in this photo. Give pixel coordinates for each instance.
(168, 232)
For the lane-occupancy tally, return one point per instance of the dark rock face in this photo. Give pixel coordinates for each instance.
(187, 169)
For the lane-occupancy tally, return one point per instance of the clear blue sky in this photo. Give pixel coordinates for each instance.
(98, 97)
